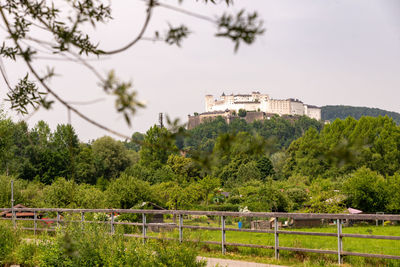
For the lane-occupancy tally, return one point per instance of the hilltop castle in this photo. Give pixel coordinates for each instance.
(262, 103)
(258, 106)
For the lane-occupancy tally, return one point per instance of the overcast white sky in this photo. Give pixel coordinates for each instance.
(324, 52)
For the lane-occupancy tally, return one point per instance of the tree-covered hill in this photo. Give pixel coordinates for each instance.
(333, 112)
(283, 129)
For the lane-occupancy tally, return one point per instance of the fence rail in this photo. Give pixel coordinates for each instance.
(339, 218)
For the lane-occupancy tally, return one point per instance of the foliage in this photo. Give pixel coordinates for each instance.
(347, 164)
(61, 193)
(367, 190)
(332, 113)
(281, 131)
(242, 113)
(264, 165)
(393, 189)
(93, 246)
(156, 147)
(136, 142)
(344, 146)
(247, 172)
(9, 240)
(110, 157)
(127, 191)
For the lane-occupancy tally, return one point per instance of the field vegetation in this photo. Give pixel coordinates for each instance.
(93, 246)
(292, 164)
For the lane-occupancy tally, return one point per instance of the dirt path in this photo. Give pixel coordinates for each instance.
(211, 262)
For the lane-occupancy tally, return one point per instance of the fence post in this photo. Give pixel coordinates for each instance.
(223, 234)
(82, 220)
(276, 239)
(34, 222)
(144, 230)
(12, 204)
(112, 222)
(340, 244)
(180, 228)
(58, 218)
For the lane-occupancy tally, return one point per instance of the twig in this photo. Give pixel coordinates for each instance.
(144, 27)
(50, 91)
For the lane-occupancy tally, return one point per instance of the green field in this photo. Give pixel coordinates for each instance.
(361, 245)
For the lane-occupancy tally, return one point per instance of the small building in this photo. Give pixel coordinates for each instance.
(260, 225)
(265, 224)
(306, 223)
(354, 211)
(19, 214)
(154, 218)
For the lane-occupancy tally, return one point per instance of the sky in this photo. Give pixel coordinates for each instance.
(323, 52)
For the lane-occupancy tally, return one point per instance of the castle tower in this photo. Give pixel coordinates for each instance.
(209, 102)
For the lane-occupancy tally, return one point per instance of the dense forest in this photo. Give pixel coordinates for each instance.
(282, 164)
(330, 113)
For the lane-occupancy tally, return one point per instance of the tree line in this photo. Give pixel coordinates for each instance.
(282, 164)
(331, 113)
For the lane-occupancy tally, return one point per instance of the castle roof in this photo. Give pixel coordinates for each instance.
(294, 100)
(246, 102)
(242, 95)
(312, 106)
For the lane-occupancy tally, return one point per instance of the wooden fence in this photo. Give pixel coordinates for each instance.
(339, 218)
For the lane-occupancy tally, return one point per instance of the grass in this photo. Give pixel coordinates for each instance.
(374, 246)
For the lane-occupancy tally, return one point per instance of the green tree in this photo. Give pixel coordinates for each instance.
(126, 191)
(367, 190)
(248, 171)
(393, 185)
(61, 194)
(85, 170)
(110, 157)
(89, 197)
(157, 146)
(5, 191)
(136, 142)
(7, 146)
(344, 146)
(264, 165)
(208, 184)
(278, 161)
(184, 167)
(176, 195)
(242, 113)
(325, 197)
(64, 145)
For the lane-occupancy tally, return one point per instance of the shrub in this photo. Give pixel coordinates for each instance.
(96, 247)
(25, 254)
(9, 240)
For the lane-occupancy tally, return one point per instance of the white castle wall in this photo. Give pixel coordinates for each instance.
(261, 102)
(314, 113)
(296, 108)
(281, 107)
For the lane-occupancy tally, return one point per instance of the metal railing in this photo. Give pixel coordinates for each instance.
(339, 218)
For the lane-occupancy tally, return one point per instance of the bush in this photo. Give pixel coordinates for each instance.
(96, 247)
(9, 240)
(242, 113)
(220, 207)
(25, 254)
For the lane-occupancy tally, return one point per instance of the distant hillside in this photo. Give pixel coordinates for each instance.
(332, 112)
